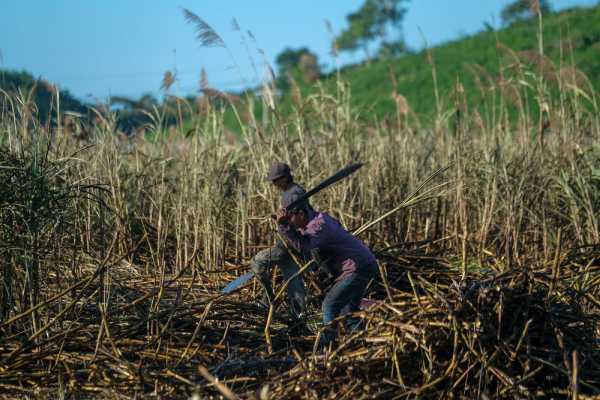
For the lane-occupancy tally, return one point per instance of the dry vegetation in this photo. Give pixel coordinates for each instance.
(113, 250)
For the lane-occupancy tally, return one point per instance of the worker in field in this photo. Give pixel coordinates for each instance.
(281, 177)
(350, 260)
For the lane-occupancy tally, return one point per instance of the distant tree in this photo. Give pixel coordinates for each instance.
(372, 22)
(309, 67)
(523, 9)
(392, 49)
(299, 63)
(146, 102)
(42, 94)
(289, 59)
(133, 113)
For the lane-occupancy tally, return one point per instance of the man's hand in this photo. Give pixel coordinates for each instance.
(282, 217)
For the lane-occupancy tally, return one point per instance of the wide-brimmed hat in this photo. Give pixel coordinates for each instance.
(278, 170)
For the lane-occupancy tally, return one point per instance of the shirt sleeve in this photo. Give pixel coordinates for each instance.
(320, 238)
(292, 195)
(293, 238)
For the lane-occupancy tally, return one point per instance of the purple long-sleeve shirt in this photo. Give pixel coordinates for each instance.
(345, 252)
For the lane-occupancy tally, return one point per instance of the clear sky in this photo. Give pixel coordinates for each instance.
(123, 47)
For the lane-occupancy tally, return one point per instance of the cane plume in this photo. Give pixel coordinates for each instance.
(167, 81)
(235, 25)
(205, 34)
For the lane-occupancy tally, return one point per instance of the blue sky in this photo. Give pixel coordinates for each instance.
(123, 47)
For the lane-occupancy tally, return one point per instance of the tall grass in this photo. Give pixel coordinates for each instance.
(198, 192)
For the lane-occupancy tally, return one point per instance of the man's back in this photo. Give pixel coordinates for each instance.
(292, 193)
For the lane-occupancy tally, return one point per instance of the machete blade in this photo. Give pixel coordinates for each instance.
(237, 282)
(338, 176)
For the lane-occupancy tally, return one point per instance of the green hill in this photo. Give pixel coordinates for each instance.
(571, 37)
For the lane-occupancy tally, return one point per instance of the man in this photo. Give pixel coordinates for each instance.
(350, 260)
(281, 177)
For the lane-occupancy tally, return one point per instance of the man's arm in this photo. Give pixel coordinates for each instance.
(293, 238)
(292, 194)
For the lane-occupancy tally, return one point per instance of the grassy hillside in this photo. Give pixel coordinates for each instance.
(571, 37)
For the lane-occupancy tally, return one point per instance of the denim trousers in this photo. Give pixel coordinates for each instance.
(279, 255)
(345, 297)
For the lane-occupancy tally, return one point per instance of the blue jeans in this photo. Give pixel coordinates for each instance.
(345, 296)
(261, 265)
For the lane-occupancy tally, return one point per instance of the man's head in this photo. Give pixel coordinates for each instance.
(280, 176)
(298, 218)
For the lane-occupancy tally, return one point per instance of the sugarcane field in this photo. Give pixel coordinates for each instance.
(405, 212)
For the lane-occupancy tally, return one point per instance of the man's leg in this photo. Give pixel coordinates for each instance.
(344, 297)
(261, 265)
(296, 293)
